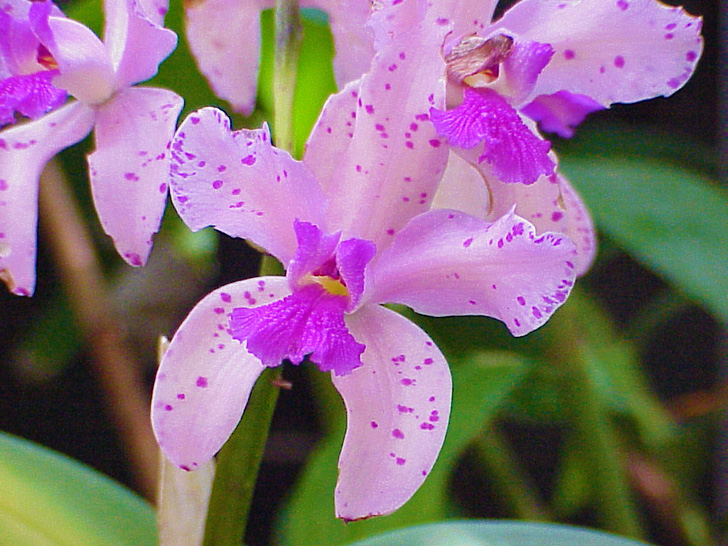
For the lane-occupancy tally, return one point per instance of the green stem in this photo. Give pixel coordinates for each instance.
(239, 460)
(502, 467)
(289, 33)
(594, 428)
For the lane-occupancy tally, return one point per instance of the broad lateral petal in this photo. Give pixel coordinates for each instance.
(224, 36)
(136, 44)
(129, 170)
(24, 151)
(448, 263)
(394, 160)
(613, 50)
(206, 377)
(86, 69)
(397, 406)
(240, 184)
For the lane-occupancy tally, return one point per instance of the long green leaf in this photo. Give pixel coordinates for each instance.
(670, 218)
(497, 533)
(47, 499)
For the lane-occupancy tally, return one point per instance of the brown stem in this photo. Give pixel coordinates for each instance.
(118, 374)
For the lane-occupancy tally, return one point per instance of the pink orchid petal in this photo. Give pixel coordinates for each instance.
(315, 249)
(136, 44)
(18, 44)
(206, 377)
(521, 69)
(610, 50)
(579, 226)
(24, 151)
(561, 112)
(130, 168)
(448, 263)
(240, 184)
(397, 406)
(390, 170)
(224, 36)
(86, 68)
(463, 188)
(353, 40)
(514, 151)
(550, 204)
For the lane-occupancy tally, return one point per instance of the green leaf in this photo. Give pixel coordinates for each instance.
(480, 384)
(670, 218)
(47, 499)
(497, 533)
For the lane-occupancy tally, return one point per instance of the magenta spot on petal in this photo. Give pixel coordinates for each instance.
(396, 433)
(400, 461)
(536, 312)
(669, 36)
(133, 258)
(427, 426)
(180, 396)
(224, 296)
(201, 382)
(674, 83)
(569, 54)
(467, 242)
(217, 184)
(435, 143)
(248, 160)
(390, 231)
(521, 300)
(219, 310)
(409, 144)
(556, 216)
(622, 4)
(131, 176)
(374, 424)
(690, 56)
(432, 398)
(406, 382)
(3, 185)
(619, 61)
(427, 361)
(185, 468)
(167, 407)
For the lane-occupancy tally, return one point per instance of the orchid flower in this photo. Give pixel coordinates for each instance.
(44, 55)
(549, 61)
(354, 226)
(224, 36)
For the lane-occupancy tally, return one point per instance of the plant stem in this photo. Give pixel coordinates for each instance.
(289, 34)
(502, 466)
(119, 374)
(593, 426)
(239, 459)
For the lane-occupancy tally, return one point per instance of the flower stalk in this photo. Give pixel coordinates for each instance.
(238, 462)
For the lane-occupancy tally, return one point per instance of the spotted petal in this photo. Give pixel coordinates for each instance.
(24, 151)
(610, 50)
(130, 168)
(448, 263)
(397, 406)
(393, 162)
(240, 184)
(206, 377)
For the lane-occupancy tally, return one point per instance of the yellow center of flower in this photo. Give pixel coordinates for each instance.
(332, 286)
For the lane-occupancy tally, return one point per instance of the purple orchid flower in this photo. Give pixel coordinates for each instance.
(554, 61)
(133, 125)
(354, 225)
(224, 36)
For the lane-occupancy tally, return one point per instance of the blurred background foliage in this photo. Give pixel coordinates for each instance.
(613, 415)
